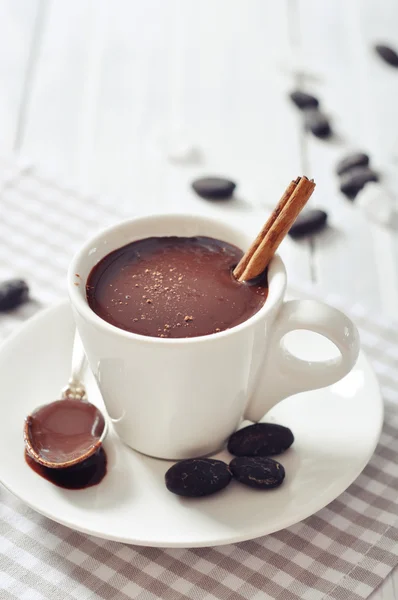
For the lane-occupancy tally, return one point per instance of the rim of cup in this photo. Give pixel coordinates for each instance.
(276, 280)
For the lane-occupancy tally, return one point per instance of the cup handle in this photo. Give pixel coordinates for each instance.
(284, 374)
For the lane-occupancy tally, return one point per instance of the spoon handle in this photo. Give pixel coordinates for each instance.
(78, 359)
(75, 389)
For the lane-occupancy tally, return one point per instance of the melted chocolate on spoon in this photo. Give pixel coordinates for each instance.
(65, 430)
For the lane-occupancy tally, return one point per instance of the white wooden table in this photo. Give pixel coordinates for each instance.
(96, 89)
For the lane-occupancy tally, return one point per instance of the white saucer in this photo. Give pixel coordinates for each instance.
(336, 431)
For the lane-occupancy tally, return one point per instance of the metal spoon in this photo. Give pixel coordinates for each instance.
(66, 432)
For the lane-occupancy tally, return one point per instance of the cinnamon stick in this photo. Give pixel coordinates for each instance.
(261, 251)
(244, 261)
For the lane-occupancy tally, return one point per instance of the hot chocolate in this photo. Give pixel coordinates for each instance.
(173, 287)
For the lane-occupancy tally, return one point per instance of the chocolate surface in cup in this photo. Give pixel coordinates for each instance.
(173, 287)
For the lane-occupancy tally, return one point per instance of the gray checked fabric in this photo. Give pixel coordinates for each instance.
(343, 552)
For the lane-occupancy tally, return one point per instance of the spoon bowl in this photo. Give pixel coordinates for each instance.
(66, 432)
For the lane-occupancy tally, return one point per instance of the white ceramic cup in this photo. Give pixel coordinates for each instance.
(181, 398)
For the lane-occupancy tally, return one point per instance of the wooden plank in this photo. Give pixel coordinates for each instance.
(17, 26)
(378, 85)
(345, 258)
(212, 71)
(54, 115)
(132, 99)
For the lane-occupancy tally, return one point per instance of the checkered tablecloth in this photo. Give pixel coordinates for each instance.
(344, 551)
